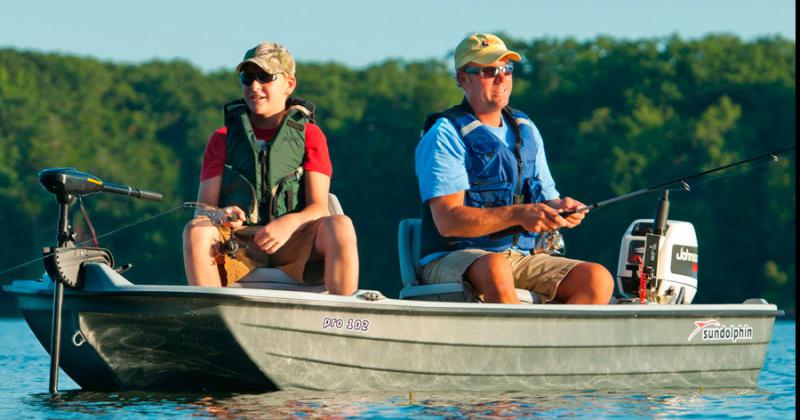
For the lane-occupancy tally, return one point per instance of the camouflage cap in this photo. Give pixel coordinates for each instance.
(271, 57)
(482, 49)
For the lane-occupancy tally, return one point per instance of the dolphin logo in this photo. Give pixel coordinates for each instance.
(701, 325)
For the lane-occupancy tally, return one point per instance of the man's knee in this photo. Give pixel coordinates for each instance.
(594, 280)
(491, 275)
(601, 279)
(494, 263)
(491, 268)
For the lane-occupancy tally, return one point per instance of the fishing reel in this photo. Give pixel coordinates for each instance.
(230, 245)
(551, 243)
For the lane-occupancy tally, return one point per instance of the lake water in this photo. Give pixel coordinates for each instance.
(24, 367)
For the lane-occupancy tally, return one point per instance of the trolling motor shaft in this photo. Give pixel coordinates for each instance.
(67, 184)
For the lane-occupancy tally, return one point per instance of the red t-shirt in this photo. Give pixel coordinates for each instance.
(316, 159)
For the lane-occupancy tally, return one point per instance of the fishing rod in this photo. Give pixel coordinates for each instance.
(683, 182)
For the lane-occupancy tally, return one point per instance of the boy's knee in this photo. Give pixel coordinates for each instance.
(338, 229)
(198, 230)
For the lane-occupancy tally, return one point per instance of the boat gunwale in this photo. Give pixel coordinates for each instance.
(355, 304)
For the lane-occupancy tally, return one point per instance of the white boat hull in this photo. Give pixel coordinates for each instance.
(121, 336)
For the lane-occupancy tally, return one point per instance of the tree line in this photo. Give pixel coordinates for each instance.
(616, 115)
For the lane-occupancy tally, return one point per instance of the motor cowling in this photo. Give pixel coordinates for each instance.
(674, 280)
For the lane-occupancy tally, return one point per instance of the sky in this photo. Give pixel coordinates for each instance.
(214, 35)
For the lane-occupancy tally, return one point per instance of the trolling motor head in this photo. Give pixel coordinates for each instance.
(69, 183)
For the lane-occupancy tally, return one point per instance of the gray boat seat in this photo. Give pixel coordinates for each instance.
(409, 247)
(273, 278)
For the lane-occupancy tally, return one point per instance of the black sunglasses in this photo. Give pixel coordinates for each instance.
(262, 77)
(490, 71)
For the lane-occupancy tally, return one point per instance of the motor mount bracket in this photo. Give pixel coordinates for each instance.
(63, 264)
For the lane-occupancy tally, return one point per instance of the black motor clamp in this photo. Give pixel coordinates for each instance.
(64, 264)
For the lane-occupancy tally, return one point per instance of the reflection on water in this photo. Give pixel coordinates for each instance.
(24, 367)
(737, 402)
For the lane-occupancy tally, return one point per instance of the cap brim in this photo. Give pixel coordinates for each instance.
(249, 60)
(489, 57)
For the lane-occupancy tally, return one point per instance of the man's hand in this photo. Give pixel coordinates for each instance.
(539, 217)
(274, 235)
(569, 204)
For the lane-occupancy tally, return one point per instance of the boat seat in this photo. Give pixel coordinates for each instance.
(409, 248)
(273, 278)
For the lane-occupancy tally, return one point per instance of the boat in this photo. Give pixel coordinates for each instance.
(107, 333)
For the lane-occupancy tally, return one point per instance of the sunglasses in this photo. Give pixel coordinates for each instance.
(262, 77)
(490, 71)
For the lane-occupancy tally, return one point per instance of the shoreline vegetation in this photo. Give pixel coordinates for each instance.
(616, 116)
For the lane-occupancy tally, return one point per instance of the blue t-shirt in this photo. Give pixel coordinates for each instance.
(440, 164)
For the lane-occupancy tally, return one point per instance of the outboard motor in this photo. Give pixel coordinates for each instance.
(674, 279)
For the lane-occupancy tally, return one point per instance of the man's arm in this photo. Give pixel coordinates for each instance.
(453, 218)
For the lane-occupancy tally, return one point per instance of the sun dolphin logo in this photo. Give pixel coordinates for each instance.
(712, 330)
(702, 324)
(686, 255)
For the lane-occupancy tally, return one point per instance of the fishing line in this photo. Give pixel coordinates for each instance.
(96, 238)
(741, 171)
(134, 224)
(688, 182)
(733, 171)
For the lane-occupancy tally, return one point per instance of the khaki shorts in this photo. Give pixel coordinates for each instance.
(539, 273)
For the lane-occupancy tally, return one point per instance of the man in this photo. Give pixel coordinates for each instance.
(269, 167)
(482, 169)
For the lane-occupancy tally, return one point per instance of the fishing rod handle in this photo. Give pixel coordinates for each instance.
(519, 229)
(130, 191)
(148, 195)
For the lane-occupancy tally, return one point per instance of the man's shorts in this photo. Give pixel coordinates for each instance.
(539, 273)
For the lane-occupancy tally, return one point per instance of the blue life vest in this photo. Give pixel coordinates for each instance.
(498, 176)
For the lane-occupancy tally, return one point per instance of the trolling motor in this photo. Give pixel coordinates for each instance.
(64, 262)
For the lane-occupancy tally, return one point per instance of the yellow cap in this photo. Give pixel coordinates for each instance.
(482, 49)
